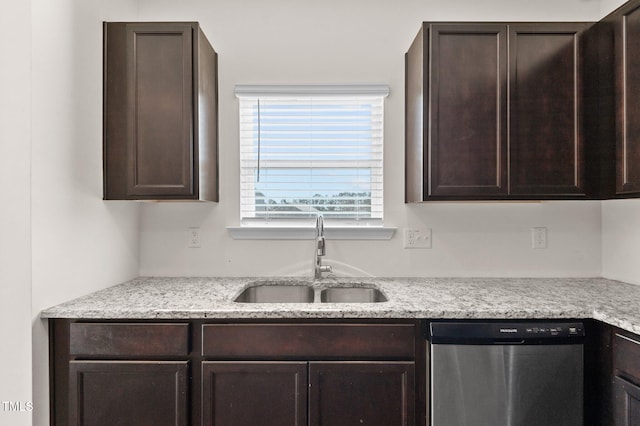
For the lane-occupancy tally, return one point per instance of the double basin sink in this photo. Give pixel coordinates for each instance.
(305, 293)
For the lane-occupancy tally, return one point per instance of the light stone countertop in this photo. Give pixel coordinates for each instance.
(613, 302)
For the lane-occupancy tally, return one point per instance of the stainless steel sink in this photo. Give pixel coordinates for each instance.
(276, 293)
(352, 295)
(302, 292)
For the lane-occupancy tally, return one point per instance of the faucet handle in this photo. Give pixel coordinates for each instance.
(326, 268)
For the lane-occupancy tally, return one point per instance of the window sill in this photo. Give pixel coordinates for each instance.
(308, 233)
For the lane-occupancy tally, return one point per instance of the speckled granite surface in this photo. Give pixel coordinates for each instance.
(613, 302)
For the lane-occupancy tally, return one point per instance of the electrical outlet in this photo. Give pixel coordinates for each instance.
(193, 238)
(417, 238)
(539, 238)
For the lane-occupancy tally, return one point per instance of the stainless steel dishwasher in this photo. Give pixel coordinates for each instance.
(506, 374)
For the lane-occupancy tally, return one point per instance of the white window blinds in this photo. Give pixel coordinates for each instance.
(310, 150)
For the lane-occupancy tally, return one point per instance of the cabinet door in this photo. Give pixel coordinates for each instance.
(468, 113)
(626, 403)
(254, 393)
(626, 370)
(123, 393)
(149, 110)
(354, 393)
(627, 80)
(545, 139)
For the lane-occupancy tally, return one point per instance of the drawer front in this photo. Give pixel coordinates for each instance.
(98, 339)
(308, 341)
(626, 356)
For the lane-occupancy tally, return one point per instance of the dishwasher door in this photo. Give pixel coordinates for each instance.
(506, 384)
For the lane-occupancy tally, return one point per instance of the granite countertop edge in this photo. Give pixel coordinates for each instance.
(183, 298)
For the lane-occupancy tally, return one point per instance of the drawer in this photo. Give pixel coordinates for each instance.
(308, 341)
(626, 356)
(128, 339)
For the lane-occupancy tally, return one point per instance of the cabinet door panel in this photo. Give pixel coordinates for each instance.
(627, 41)
(160, 93)
(119, 393)
(468, 114)
(626, 403)
(354, 393)
(254, 393)
(545, 137)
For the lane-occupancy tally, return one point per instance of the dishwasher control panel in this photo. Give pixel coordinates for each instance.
(505, 332)
(553, 330)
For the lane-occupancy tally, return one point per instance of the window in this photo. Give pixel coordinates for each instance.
(310, 150)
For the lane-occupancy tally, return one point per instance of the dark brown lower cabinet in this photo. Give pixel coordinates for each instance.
(254, 393)
(142, 393)
(361, 393)
(612, 376)
(339, 393)
(626, 402)
(626, 379)
(208, 373)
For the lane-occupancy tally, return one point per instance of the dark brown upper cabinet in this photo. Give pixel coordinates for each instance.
(456, 112)
(627, 78)
(617, 101)
(160, 137)
(494, 111)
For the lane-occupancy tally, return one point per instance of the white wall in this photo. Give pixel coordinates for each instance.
(333, 41)
(15, 213)
(621, 240)
(80, 243)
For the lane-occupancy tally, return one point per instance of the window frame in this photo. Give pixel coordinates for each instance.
(296, 228)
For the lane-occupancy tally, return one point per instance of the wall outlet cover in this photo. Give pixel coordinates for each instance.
(193, 237)
(539, 237)
(415, 238)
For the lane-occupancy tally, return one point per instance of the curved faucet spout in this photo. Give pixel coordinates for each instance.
(320, 249)
(319, 226)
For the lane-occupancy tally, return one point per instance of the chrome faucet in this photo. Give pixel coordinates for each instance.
(320, 250)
